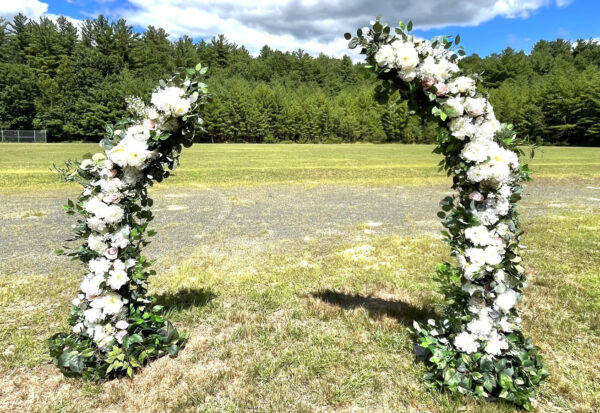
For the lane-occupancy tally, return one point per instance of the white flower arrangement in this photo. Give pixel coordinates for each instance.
(114, 208)
(482, 226)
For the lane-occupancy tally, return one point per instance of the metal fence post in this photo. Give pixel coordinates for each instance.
(18, 136)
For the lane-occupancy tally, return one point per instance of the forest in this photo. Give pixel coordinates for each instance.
(72, 81)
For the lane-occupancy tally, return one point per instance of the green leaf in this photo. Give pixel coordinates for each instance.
(457, 39)
(198, 66)
(409, 26)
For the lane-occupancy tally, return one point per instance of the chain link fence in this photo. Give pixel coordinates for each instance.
(23, 136)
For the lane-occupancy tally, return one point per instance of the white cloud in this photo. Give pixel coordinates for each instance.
(313, 25)
(30, 8)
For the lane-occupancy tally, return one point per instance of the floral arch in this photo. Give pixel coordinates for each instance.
(478, 347)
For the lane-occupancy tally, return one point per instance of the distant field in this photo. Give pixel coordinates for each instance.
(27, 166)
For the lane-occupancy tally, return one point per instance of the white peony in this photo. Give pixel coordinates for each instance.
(506, 300)
(476, 256)
(139, 133)
(91, 285)
(111, 185)
(454, 107)
(385, 56)
(131, 152)
(493, 255)
(466, 342)
(500, 276)
(118, 265)
(113, 214)
(93, 315)
(406, 54)
(486, 130)
(479, 235)
(481, 326)
(96, 224)
(95, 206)
(117, 279)
(440, 70)
(171, 101)
(495, 344)
(497, 174)
(462, 127)
(99, 266)
(96, 243)
(477, 151)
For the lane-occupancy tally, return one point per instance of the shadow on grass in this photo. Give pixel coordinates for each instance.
(403, 312)
(184, 299)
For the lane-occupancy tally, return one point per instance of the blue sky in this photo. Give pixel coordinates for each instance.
(485, 26)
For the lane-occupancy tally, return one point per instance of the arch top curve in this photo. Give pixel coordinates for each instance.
(478, 346)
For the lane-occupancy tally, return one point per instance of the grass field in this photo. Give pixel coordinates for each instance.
(27, 167)
(314, 322)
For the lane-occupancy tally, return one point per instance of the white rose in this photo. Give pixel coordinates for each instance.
(462, 84)
(112, 253)
(475, 106)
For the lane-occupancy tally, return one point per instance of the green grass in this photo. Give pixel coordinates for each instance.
(25, 167)
(314, 324)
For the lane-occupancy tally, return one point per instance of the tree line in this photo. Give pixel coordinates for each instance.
(71, 82)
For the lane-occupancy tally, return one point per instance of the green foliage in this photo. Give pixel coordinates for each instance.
(51, 79)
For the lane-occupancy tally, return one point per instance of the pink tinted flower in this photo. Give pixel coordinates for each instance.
(120, 335)
(441, 89)
(427, 83)
(112, 253)
(476, 196)
(111, 173)
(150, 124)
(112, 198)
(78, 328)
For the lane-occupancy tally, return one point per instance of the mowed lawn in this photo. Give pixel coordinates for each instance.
(322, 324)
(28, 167)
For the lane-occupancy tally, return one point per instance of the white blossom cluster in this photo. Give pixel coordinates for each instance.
(116, 175)
(490, 169)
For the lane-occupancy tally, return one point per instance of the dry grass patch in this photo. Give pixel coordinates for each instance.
(313, 329)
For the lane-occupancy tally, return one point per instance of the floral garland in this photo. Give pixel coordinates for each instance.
(478, 348)
(116, 326)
